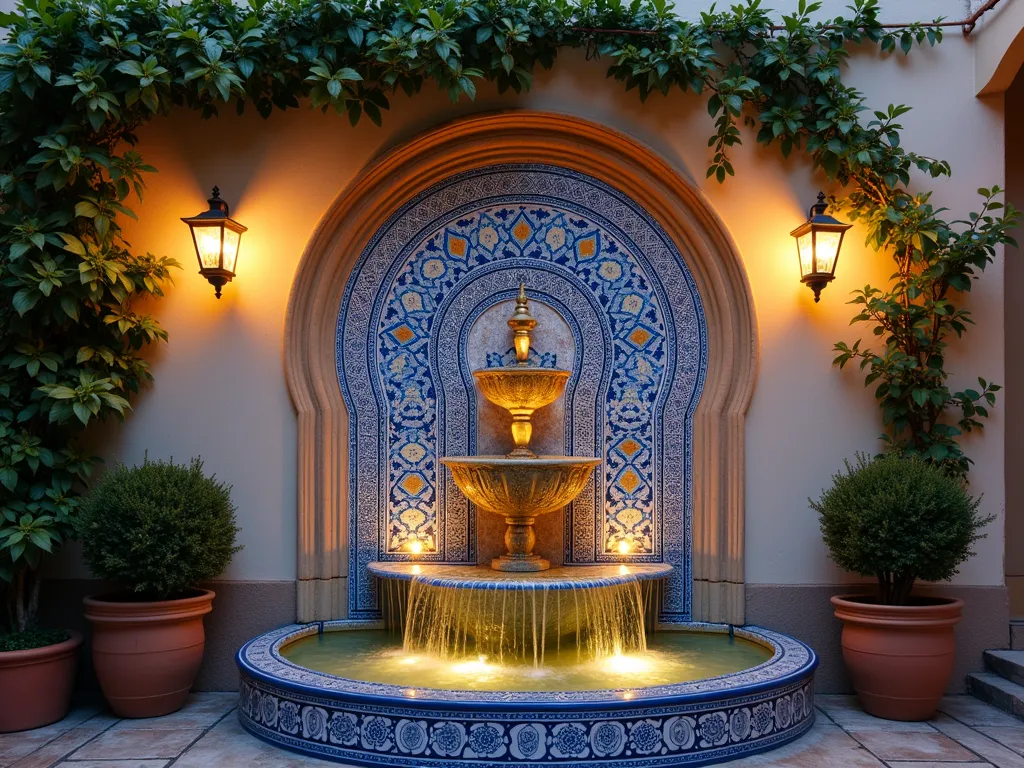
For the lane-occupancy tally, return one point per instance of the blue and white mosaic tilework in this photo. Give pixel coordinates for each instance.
(623, 288)
(686, 724)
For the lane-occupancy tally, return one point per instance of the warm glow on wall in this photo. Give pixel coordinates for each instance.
(818, 241)
(216, 237)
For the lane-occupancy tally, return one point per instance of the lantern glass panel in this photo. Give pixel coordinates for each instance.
(828, 250)
(208, 242)
(231, 240)
(805, 245)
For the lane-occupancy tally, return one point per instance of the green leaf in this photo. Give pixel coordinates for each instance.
(25, 299)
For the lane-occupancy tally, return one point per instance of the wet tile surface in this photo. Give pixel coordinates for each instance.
(904, 745)
(966, 733)
(136, 743)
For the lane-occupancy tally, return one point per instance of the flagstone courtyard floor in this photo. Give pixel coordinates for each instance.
(206, 734)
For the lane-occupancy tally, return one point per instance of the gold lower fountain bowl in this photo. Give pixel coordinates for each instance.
(520, 489)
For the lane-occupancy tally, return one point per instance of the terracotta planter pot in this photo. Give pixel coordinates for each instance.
(147, 654)
(899, 657)
(36, 684)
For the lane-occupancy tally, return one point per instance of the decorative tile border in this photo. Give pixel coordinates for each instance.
(695, 723)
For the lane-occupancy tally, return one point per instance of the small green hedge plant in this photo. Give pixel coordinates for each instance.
(31, 638)
(899, 519)
(158, 529)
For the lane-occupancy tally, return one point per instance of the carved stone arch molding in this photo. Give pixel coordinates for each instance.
(528, 139)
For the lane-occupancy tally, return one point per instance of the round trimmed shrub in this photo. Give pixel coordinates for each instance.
(898, 519)
(158, 529)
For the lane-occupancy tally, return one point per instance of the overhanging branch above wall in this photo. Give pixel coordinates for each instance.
(967, 24)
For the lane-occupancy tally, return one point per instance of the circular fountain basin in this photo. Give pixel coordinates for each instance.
(749, 690)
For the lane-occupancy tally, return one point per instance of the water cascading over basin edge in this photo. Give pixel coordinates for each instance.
(452, 612)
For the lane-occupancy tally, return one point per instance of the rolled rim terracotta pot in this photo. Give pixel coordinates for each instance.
(36, 684)
(900, 657)
(147, 654)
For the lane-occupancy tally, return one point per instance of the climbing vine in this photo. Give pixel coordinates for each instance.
(79, 77)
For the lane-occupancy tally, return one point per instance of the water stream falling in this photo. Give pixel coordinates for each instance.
(513, 623)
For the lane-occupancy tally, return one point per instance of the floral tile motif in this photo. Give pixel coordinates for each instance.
(598, 260)
(507, 359)
(703, 721)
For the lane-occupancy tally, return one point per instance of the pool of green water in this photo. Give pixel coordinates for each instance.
(671, 657)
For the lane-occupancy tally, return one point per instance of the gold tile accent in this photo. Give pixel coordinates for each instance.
(640, 336)
(629, 480)
(403, 333)
(413, 484)
(629, 446)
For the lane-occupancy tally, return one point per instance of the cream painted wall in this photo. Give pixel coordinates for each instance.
(220, 390)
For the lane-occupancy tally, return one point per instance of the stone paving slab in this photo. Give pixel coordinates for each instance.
(966, 733)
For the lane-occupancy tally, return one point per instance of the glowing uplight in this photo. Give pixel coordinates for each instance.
(621, 664)
(623, 570)
(417, 570)
(628, 695)
(410, 692)
(415, 547)
(406, 660)
(624, 546)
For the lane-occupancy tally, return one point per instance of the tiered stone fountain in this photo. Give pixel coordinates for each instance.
(518, 663)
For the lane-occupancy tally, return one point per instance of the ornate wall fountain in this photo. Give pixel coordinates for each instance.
(653, 322)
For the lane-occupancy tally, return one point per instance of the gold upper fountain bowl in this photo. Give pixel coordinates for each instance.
(521, 390)
(518, 388)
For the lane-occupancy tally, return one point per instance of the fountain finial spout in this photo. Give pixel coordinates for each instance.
(522, 324)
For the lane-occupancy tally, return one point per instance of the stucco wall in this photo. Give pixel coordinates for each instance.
(220, 390)
(1014, 362)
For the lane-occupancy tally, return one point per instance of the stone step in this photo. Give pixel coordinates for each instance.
(1017, 634)
(1006, 664)
(997, 691)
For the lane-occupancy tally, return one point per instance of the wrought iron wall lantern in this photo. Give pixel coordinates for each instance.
(818, 241)
(216, 237)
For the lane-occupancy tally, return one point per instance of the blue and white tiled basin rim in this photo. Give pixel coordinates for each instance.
(694, 723)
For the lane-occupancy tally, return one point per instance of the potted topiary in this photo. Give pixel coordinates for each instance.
(37, 666)
(158, 530)
(900, 520)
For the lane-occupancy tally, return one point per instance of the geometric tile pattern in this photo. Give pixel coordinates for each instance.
(709, 720)
(617, 280)
(447, 257)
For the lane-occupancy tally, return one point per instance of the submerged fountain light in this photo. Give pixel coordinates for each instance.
(626, 664)
(477, 669)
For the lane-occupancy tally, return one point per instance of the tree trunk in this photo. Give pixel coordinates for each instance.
(26, 599)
